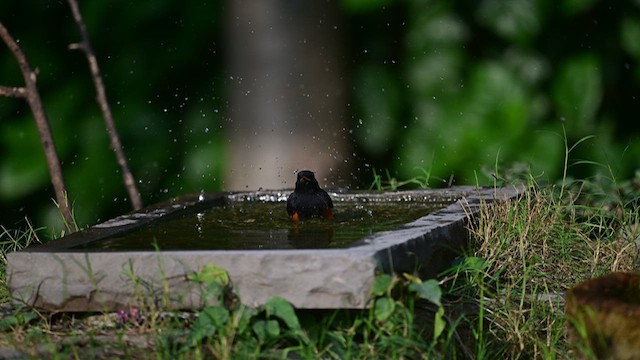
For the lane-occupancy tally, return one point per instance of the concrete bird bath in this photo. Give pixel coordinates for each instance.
(146, 256)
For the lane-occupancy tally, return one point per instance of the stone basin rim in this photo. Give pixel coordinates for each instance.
(310, 278)
(192, 203)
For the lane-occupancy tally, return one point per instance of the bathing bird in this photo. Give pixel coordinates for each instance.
(308, 200)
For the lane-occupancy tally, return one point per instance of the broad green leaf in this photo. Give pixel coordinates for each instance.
(384, 308)
(201, 329)
(245, 315)
(266, 329)
(428, 290)
(283, 310)
(210, 320)
(16, 320)
(381, 285)
(219, 315)
(211, 274)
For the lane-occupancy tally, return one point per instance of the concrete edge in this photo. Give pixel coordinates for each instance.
(332, 278)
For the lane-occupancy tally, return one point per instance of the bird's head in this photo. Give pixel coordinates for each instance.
(306, 181)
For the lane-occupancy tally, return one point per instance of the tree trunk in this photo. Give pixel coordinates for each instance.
(288, 98)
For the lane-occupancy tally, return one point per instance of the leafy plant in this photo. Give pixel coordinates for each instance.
(17, 319)
(430, 290)
(229, 327)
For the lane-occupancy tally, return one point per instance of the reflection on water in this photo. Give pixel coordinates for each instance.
(249, 225)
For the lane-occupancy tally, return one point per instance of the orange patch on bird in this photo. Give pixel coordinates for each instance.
(295, 217)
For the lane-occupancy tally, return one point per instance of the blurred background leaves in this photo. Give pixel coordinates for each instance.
(450, 86)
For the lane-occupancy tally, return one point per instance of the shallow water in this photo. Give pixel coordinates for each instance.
(254, 225)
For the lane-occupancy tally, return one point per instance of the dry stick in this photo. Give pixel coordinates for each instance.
(10, 91)
(116, 145)
(30, 93)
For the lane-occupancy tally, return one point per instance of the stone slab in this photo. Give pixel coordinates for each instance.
(55, 277)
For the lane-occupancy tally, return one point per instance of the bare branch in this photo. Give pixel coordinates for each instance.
(116, 145)
(75, 46)
(30, 93)
(9, 91)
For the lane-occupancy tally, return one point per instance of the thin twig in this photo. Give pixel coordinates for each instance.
(30, 93)
(116, 145)
(10, 91)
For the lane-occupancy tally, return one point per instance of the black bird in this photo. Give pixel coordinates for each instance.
(308, 200)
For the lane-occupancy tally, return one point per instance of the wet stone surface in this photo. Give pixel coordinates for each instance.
(315, 264)
(257, 225)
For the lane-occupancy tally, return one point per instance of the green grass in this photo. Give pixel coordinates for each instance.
(421, 181)
(13, 240)
(502, 299)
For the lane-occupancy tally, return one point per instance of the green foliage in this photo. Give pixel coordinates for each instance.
(518, 21)
(526, 254)
(379, 97)
(630, 32)
(363, 6)
(382, 285)
(210, 320)
(279, 308)
(17, 319)
(430, 290)
(165, 95)
(214, 278)
(578, 92)
(501, 299)
(478, 80)
(21, 172)
(393, 184)
(448, 86)
(229, 328)
(393, 313)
